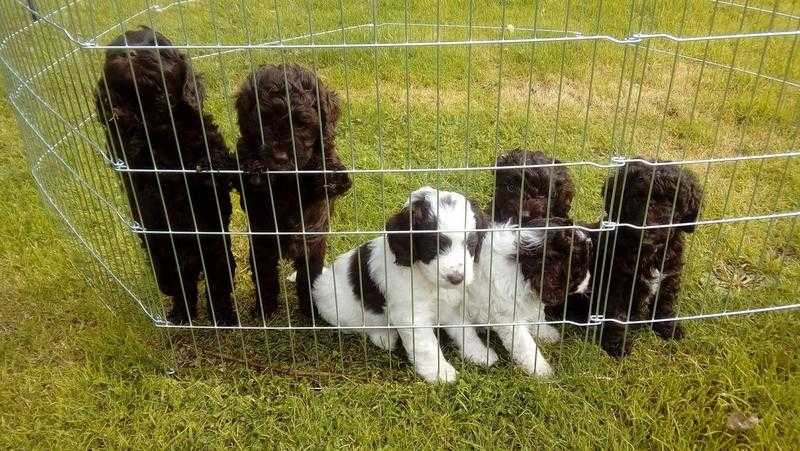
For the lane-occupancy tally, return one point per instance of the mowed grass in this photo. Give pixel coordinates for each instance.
(83, 367)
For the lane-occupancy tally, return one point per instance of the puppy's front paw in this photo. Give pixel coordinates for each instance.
(178, 315)
(481, 356)
(538, 367)
(668, 330)
(443, 372)
(615, 346)
(546, 333)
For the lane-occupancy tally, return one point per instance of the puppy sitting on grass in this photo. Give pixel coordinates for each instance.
(529, 188)
(639, 271)
(520, 270)
(415, 276)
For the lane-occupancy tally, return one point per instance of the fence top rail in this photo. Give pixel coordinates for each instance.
(47, 19)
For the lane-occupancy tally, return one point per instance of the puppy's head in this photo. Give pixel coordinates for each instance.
(522, 193)
(287, 114)
(674, 198)
(446, 252)
(153, 72)
(556, 263)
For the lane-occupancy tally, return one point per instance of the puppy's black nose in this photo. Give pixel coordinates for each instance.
(455, 279)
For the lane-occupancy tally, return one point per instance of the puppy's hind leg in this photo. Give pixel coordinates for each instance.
(177, 282)
(220, 268)
(664, 305)
(308, 267)
(466, 338)
(546, 333)
(264, 272)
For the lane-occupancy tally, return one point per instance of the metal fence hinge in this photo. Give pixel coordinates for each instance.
(596, 320)
(618, 160)
(119, 165)
(608, 225)
(87, 43)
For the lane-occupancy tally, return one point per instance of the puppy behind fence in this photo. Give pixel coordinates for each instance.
(213, 231)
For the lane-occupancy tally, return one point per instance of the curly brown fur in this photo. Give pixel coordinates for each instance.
(537, 183)
(623, 290)
(559, 264)
(142, 94)
(279, 201)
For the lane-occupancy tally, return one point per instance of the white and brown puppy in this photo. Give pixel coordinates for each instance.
(411, 279)
(521, 270)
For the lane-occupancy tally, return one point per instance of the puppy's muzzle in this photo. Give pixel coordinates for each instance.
(277, 159)
(455, 278)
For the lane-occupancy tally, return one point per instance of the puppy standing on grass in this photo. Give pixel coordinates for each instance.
(417, 280)
(150, 104)
(647, 290)
(287, 119)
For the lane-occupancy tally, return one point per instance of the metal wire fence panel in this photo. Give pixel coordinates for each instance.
(429, 94)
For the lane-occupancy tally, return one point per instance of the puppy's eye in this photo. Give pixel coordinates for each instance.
(444, 244)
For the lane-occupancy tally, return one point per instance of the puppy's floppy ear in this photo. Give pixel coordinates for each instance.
(564, 194)
(246, 96)
(543, 271)
(692, 198)
(560, 244)
(534, 208)
(551, 281)
(553, 288)
(401, 244)
(475, 239)
(415, 216)
(194, 92)
(329, 109)
(116, 117)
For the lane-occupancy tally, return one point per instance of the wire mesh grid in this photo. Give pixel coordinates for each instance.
(431, 93)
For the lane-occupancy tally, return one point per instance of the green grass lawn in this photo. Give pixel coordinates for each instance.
(81, 366)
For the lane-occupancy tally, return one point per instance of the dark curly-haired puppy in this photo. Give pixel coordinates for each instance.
(280, 133)
(528, 188)
(150, 104)
(647, 290)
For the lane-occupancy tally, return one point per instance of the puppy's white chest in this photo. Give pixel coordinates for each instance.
(654, 281)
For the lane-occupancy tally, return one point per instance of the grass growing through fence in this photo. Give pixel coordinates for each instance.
(82, 367)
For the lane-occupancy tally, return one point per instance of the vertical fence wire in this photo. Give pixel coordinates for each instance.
(55, 113)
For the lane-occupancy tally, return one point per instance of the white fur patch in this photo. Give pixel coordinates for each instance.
(500, 294)
(418, 295)
(584, 283)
